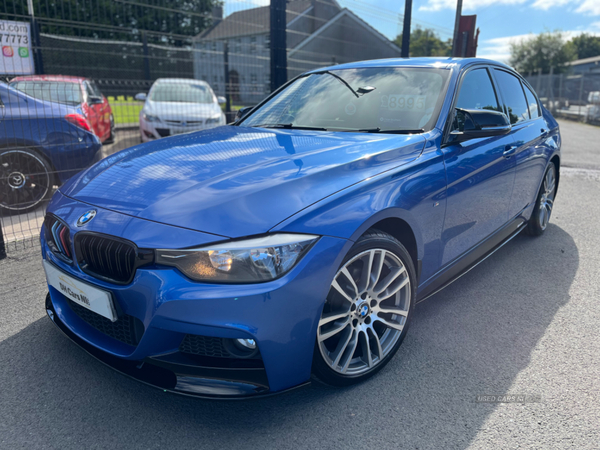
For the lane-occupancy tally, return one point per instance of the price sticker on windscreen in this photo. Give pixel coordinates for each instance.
(403, 102)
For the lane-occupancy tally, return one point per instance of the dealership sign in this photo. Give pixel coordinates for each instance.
(15, 40)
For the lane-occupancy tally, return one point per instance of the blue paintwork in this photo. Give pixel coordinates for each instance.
(26, 122)
(232, 182)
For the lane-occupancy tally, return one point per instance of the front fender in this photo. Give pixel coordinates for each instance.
(414, 193)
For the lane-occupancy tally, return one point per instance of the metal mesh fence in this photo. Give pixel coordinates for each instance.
(573, 96)
(81, 80)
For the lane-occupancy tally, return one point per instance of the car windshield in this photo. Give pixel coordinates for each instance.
(181, 93)
(52, 91)
(388, 99)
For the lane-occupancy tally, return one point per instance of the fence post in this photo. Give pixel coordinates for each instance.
(581, 94)
(2, 245)
(551, 90)
(278, 44)
(146, 56)
(227, 87)
(36, 45)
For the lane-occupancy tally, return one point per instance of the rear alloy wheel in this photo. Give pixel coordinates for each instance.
(366, 313)
(26, 180)
(545, 202)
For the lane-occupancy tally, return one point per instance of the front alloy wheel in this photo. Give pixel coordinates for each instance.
(366, 312)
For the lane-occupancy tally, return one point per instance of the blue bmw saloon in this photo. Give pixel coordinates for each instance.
(243, 260)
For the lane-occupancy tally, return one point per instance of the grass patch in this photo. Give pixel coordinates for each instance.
(125, 109)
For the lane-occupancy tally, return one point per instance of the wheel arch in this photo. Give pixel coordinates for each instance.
(397, 223)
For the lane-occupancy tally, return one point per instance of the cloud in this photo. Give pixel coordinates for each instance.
(498, 49)
(547, 4)
(438, 5)
(590, 6)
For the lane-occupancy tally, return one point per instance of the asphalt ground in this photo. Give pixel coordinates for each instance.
(523, 323)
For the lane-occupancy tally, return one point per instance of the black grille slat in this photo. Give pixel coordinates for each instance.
(105, 257)
(126, 329)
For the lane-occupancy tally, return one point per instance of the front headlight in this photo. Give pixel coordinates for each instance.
(249, 261)
(213, 120)
(150, 118)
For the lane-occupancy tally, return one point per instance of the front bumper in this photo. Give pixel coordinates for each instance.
(150, 131)
(178, 378)
(281, 315)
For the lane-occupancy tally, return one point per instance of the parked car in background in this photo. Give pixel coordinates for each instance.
(237, 261)
(72, 91)
(179, 105)
(42, 144)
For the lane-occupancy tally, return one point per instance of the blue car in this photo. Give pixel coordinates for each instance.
(42, 144)
(242, 261)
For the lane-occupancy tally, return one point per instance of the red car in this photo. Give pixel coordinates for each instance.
(73, 91)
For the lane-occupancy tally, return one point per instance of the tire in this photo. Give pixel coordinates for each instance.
(540, 217)
(346, 351)
(26, 180)
(111, 137)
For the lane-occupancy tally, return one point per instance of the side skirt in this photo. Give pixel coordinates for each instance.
(473, 258)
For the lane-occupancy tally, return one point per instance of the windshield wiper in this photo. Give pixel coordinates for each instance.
(288, 126)
(379, 130)
(339, 78)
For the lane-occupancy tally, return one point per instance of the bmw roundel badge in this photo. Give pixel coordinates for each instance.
(87, 217)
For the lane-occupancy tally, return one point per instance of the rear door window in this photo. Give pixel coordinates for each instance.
(515, 103)
(534, 109)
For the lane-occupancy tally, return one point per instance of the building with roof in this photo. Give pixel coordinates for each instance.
(586, 65)
(318, 33)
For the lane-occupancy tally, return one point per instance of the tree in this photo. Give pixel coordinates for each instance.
(585, 46)
(542, 52)
(425, 42)
(164, 21)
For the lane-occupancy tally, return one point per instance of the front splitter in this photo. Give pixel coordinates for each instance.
(206, 383)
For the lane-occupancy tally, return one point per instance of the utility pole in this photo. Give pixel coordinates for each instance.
(278, 44)
(455, 49)
(406, 29)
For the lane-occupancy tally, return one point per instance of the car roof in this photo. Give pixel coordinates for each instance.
(433, 62)
(62, 78)
(180, 80)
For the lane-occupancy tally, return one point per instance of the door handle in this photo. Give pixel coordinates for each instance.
(509, 150)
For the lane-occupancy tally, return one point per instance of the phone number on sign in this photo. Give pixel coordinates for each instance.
(14, 39)
(403, 101)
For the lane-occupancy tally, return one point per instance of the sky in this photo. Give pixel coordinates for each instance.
(499, 21)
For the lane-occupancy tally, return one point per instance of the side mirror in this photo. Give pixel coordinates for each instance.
(141, 97)
(221, 100)
(95, 100)
(480, 123)
(242, 112)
